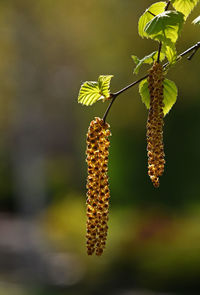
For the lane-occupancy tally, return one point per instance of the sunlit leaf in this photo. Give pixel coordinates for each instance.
(196, 21)
(165, 27)
(184, 6)
(170, 94)
(89, 93)
(104, 85)
(169, 49)
(92, 91)
(149, 59)
(148, 15)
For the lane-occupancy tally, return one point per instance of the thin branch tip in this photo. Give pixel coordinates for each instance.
(113, 96)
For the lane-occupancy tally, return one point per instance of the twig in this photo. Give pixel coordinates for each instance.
(108, 108)
(113, 96)
(195, 50)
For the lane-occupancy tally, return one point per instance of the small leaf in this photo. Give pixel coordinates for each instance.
(104, 85)
(92, 91)
(135, 59)
(170, 94)
(196, 21)
(184, 6)
(148, 15)
(144, 92)
(149, 59)
(89, 93)
(165, 27)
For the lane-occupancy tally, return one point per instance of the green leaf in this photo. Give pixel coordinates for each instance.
(144, 92)
(149, 59)
(196, 21)
(155, 9)
(104, 85)
(165, 27)
(184, 6)
(92, 91)
(170, 94)
(89, 93)
(169, 49)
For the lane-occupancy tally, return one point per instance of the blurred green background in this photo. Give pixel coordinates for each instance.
(47, 49)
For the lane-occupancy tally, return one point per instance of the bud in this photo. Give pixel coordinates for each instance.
(155, 124)
(98, 192)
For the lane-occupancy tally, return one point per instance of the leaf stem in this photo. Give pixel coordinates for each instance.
(159, 50)
(160, 43)
(151, 13)
(113, 96)
(167, 5)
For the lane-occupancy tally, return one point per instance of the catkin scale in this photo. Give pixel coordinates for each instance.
(98, 192)
(155, 146)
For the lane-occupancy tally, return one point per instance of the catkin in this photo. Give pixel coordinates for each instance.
(98, 192)
(155, 124)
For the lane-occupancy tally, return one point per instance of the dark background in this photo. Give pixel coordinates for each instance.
(47, 49)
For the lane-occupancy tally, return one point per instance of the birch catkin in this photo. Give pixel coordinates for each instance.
(155, 124)
(97, 186)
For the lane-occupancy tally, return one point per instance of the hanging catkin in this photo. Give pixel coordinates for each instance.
(155, 124)
(97, 185)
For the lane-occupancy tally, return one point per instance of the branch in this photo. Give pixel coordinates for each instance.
(113, 96)
(194, 48)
